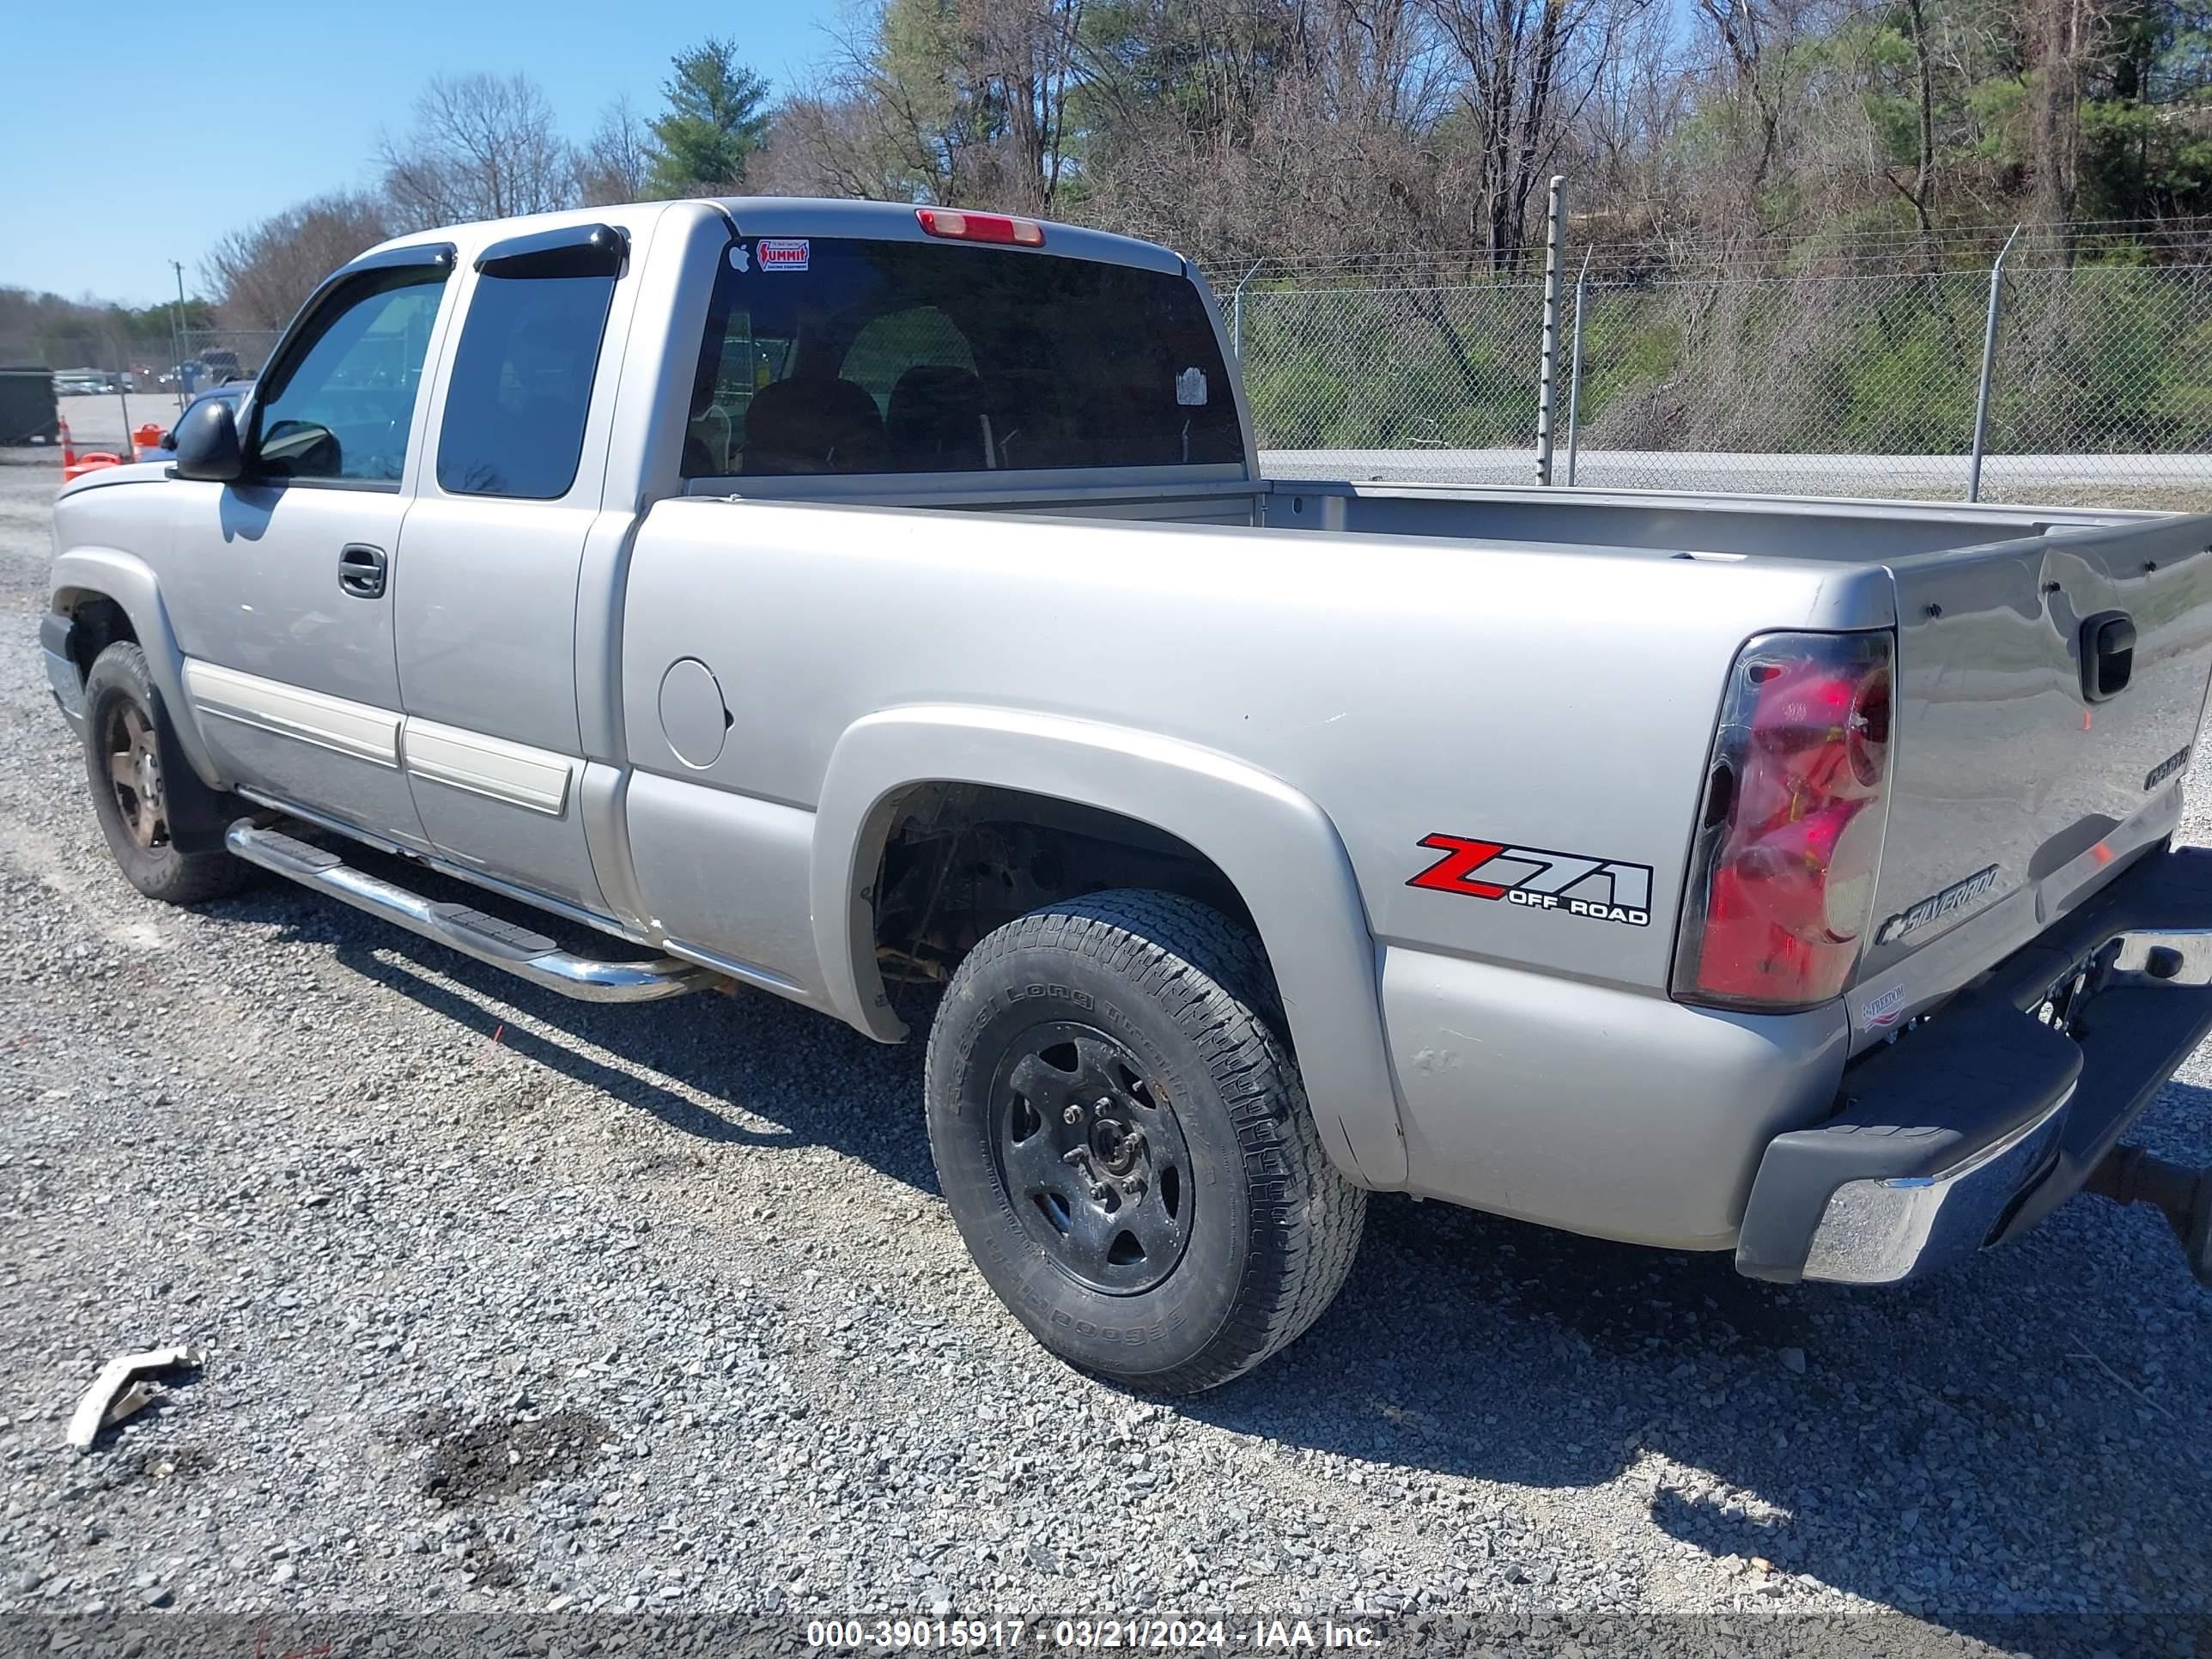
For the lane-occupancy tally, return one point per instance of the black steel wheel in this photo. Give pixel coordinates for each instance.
(1091, 1151)
(1122, 1139)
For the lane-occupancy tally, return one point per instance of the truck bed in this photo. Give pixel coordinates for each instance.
(1675, 524)
(2011, 804)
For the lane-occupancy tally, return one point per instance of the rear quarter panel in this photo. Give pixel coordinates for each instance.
(1549, 699)
(1545, 698)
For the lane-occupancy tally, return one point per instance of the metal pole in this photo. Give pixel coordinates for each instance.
(130, 451)
(1554, 230)
(1236, 315)
(1989, 367)
(177, 333)
(1575, 372)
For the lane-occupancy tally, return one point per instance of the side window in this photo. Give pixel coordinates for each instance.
(340, 407)
(521, 385)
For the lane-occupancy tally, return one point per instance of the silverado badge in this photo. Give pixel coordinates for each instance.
(1936, 906)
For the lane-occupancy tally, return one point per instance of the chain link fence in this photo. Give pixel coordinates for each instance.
(1862, 376)
(1443, 374)
(1863, 381)
(150, 361)
(110, 383)
(209, 357)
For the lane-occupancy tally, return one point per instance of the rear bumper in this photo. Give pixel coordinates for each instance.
(1969, 1130)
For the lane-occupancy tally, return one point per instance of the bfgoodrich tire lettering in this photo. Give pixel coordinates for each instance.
(1123, 1140)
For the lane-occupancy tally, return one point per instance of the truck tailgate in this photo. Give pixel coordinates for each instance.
(2017, 789)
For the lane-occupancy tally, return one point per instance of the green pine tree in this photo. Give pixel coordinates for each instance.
(716, 118)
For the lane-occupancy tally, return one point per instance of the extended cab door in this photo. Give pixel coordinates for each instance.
(283, 605)
(487, 616)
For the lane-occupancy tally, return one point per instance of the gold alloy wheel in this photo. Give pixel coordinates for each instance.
(134, 771)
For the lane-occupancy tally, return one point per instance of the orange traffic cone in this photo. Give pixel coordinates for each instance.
(74, 466)
(148, 437)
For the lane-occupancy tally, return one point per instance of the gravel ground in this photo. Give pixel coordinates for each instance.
(515, 1304)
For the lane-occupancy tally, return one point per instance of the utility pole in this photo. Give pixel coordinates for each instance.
(177, 332)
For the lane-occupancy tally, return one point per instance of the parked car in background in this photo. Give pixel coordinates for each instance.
(217, 366)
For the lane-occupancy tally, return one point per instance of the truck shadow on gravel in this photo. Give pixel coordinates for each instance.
(746, 1070)
(2027, 1433)
(2032, 1431)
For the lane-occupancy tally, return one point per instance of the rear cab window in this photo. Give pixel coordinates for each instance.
(520, 391)
(861, 357)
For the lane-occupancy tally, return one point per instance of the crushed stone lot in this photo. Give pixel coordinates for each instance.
(510, 1305)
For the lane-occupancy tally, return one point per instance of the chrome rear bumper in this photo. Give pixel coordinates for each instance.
(1968, 1131)
(1880, 1230)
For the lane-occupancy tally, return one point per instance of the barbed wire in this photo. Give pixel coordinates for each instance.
(1880, 251)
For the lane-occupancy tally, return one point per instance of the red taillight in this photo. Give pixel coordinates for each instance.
(1788, 837)
(980, 227)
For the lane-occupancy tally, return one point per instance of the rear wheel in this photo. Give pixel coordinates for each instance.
(133, 767)
(1122, 1139)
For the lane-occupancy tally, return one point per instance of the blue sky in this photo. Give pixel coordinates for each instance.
(144, 135)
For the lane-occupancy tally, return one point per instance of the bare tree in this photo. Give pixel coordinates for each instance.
(955, 99)
(824, 141)
(260, 275)
(614, 163)
(2062, 37)
(1531, 67)
(1754, 41)
(481, 147)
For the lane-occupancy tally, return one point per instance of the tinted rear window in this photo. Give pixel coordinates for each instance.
(861, 357)
(521, 385)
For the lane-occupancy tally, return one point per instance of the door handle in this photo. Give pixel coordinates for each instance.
(2108, 655)
(361, 570)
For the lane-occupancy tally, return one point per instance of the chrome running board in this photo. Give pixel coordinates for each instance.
(501, 944)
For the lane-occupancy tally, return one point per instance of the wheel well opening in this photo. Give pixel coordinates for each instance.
(99, 623)
(961, 860)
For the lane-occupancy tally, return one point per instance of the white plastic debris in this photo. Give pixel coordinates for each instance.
(100, 1406)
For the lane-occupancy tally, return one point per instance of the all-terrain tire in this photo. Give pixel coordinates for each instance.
(119, 698)
(1182, 993)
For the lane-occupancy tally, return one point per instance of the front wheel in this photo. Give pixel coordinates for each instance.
(137, 775)
(1125, 1145)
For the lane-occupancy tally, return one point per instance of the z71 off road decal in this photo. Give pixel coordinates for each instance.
(1573, 884)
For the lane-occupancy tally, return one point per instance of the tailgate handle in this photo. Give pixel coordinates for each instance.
(2108, 655)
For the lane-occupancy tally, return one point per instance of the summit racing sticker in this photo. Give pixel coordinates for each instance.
(1574, 883)
(782, 253)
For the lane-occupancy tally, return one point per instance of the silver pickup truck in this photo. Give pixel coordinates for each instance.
(883, 608)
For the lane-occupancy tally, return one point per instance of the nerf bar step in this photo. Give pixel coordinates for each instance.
(502, 945)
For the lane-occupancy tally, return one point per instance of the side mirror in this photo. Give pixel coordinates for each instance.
(207, 444)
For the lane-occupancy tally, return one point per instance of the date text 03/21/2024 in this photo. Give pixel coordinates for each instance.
(1249, 1635)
